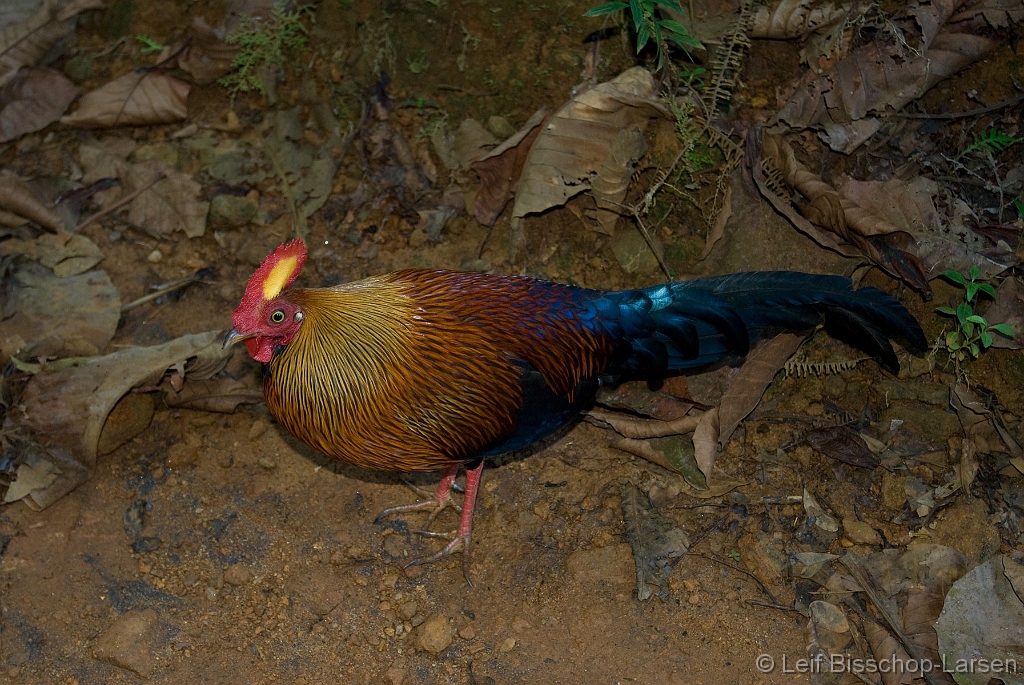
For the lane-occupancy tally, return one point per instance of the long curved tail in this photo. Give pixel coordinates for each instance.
(677, 326)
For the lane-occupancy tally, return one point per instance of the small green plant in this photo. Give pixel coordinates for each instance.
(991, 141)
(734, 554)
(650, 25)
(419, 64)
(972, 333)
(148, 44)
(263, 44)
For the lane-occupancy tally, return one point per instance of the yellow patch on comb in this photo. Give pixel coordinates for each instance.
(278, 277)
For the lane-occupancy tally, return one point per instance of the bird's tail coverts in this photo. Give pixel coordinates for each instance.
(681, 325)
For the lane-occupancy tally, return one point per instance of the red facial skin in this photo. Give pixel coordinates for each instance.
(274, 323)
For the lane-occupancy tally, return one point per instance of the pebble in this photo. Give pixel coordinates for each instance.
(258, 428)
(507, 645)
(435, 635)
(237, 574)
(407, 610)
(155, 256)
(129, 642)
(396, 676)
(467, 632)
(184, 453)
(861, 533)
(267, 463)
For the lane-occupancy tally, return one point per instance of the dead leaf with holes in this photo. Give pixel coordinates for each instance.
(884, 74)
(33, 100)
(65, 410)
(19, 204)
(835, 217)
(207, 56)
(137, 99)
(500, 169)
(26, 43)
(66, 254)
(577, 141)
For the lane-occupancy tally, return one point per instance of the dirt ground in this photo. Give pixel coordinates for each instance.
(215, 548)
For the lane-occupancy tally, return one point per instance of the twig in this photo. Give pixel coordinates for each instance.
(962, 115)
(764, 588)
(120, 203)
(852, 565)
(168, 288)
(772, 605)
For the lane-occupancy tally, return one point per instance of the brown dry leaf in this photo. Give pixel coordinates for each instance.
(471, 142)
(16, 198)
(577, 140)
(44, 315)
(500, 169)
(906, 591)
(33, 100)
(611, 183)
(878, 75)
(67, 410)
(844, 444)
(25, 43)
(794, 19)
(721, 220)
(135, 99)
(172, 204)
(754, 377)
(983, 427)
(66, 254)
(981, 622)
(639, 428)
(998, 13)
(881, 242)
(655, 538)
(207, 56)
(638, 398)
(830, 633)
(705, 442)
(216, 394)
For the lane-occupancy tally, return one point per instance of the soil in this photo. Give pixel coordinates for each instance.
(216, 548)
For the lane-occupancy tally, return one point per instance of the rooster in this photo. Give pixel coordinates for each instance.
(429, 369)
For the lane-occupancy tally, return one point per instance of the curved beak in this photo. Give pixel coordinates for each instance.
(233, 337)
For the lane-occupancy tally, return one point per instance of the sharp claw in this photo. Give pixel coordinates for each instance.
(450, 548)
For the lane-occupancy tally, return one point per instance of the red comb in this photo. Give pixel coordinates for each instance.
(276, 273)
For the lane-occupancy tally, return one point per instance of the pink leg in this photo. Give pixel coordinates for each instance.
(462, 535)
(442, 499)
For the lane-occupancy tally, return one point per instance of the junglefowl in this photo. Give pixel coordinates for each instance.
(428, 369)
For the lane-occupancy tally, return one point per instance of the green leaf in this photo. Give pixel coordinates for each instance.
(672, 5)
(637, 10)
(987, 289)
(986, 340)
(975, 272)
(963, 310)
(955, 277)
(1004, 329)
(643, 35)
(974, 350)
(953, 340)
(606, 8)
(968, 329)
(1019, 206)
(972, 290)
(948, 311)
(974, 318)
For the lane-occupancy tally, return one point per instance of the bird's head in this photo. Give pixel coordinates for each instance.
(265, 318)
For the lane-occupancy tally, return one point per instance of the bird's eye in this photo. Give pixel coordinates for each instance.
(277, 316)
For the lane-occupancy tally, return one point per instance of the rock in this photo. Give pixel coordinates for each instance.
(500, 127)
(258, 428)
(237, 574)
(130, 416)
(229, 211)
(467, 632)
(163, 152)
(633, 253)
(407, 610)
(507, 645)
(129, 642)
(966, 528)
(395, 676)
(605, 566)
(434, 635)
(894, 496)
(184, 453)
(861, 533)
